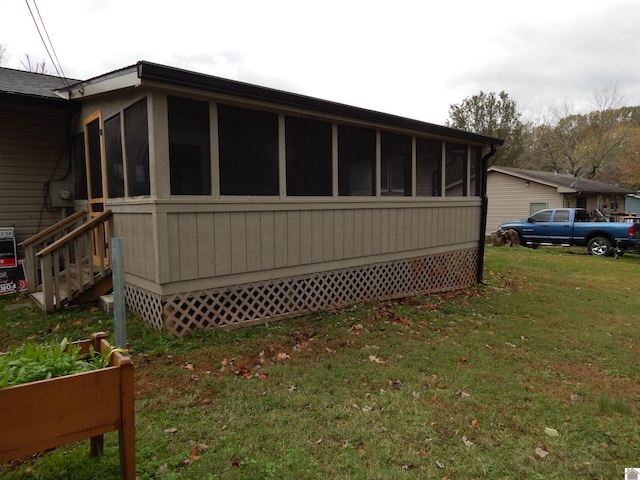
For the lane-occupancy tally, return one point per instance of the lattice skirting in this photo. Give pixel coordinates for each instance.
(283, 297)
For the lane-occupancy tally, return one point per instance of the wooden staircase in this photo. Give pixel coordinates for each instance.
(68, 262)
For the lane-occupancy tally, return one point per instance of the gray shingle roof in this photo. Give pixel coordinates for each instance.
(28, 84)
(563, 180)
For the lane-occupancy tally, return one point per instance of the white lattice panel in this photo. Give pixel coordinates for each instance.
(283, 297)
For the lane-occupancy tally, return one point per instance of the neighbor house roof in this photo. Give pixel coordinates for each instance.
(153, 74)
(25, 87)
(564, 182)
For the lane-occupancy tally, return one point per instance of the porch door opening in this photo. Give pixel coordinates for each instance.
(96, 184)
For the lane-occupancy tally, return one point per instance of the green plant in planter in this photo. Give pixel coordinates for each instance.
(34, 361)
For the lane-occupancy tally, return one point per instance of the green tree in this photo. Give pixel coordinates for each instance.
(495, 115)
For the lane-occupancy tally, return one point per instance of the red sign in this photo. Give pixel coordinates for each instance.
(13, 280)
(8, 256)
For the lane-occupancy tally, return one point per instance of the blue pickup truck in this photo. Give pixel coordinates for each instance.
(572, 226)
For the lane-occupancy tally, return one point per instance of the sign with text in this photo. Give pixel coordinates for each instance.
(13, 280)
(8, 255)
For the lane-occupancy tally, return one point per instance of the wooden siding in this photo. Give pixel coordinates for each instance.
(33, 152)
(208, 244)
(140, 252)
(509, 198)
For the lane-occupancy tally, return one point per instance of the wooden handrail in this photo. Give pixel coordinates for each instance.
(85, 227)
(52, 229)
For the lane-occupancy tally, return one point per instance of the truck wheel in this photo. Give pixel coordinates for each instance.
(599, 246)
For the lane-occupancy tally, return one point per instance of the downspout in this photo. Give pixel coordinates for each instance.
(483, 213)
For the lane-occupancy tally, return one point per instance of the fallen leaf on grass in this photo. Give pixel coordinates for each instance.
(551, 432)
(196, 452)
(474, 423)
(541, 452)
(329, 351)
(395, 384)
(374, 358)
(462, 394)
(283, 356)
(170, 430)
(467, 442)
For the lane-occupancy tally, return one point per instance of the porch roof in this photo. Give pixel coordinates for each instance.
(143, 71)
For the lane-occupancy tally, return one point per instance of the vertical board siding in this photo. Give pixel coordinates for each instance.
(204, 245)
(267, 240)
(206, 259)
(136, 231)
(254, 248)
(222, 243)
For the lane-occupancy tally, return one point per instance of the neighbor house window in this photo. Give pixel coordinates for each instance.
(248, 142)
(428, 167)
(536, 207)
(308, 152)
(136, 133)
(356, 160)
(456, 170)
(114, 159)
(189, 146)
(395, 164)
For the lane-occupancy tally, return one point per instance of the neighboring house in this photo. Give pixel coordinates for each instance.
(515, 194)
(238, 203)
(632, 204)
(34, 150)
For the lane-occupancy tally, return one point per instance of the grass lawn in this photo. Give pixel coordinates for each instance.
(535, 375)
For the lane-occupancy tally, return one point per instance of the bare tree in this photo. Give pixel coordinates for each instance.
(34, 67)
(583, 144)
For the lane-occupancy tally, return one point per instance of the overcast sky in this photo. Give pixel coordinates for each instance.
(408, 58)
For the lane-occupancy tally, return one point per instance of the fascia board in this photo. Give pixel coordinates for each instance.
(90, 88)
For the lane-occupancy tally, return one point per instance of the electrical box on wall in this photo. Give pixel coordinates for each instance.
(61, 194)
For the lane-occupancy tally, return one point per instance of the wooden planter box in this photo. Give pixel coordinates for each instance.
(41, 415)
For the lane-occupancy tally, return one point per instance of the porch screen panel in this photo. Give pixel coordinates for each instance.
(475, 171)
(308, 152)
(95, 158)
(456, 170)
(356, 161)
(395, 167)
(428, 167)
(248, 146)
(189, 146)
(79, 166)
(136, 133)
(113, 152)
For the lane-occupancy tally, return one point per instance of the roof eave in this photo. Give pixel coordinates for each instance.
(117, 80)
(35, 100)
(184, 78)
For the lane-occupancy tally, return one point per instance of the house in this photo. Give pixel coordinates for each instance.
(515, 193)
(632, 204)
(236, 203)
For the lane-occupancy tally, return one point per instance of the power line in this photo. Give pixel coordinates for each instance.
(56, 62)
